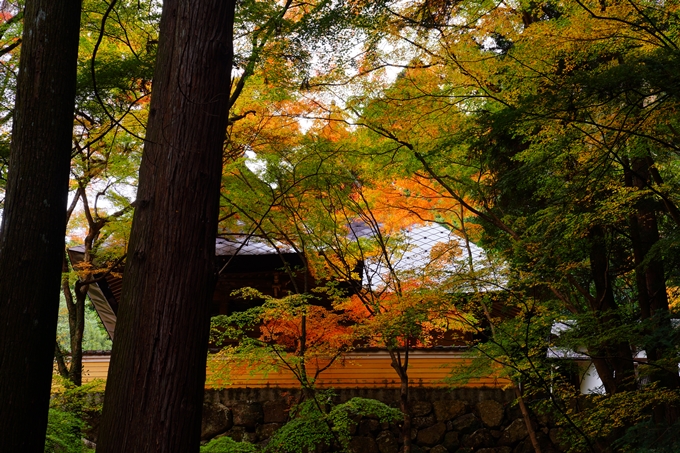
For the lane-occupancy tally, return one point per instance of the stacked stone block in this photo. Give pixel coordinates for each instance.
(444, 421)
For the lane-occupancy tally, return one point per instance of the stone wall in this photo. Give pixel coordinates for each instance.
(463, 420)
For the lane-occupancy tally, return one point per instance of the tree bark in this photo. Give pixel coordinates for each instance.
(34, 219)
(401, 367)
(62, 368)
(613, 361)
(76, 305)
(527, 421)
(650, 275)
(155, 385)
(645, 233)
(76, 325)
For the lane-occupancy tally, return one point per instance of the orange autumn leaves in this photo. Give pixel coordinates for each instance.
(415, 318)
(404, 202)
(305, 327)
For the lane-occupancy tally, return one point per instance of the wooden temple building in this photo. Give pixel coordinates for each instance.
(250, 263)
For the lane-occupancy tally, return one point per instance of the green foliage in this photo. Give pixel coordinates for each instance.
(226, 444)
(78, 400)
(343, 416)
(95, 337)
(63, 433)
(514, 349)
(313, 425)
(70, 406)
(628, 420)
(305, 432)
(650, 436)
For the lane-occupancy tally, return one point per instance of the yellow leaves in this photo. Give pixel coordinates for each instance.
(298, 12)
(442, 253)
(673, 298)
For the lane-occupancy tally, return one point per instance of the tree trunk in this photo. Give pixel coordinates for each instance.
(76, 324)
(650, 276)
(645, 235)
(406, 410)
(155, 385)
(62, 368)
(34, 219)
(77, 331)
(401, 367)
(527, 421)
(613, 361)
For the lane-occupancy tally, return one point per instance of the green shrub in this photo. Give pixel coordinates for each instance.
(315, 424)
(69, 407)
(78, 400)
(301, 434)
(311, 426)
(228, 445)
(650, 437)
(63, 433)
(342, 415)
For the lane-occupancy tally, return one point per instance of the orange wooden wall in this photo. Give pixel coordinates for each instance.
(355, 370)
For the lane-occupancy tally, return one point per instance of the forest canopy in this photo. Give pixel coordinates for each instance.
(546, 133)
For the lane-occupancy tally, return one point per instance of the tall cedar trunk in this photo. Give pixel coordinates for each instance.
(34, 219)
(612, 361)
(646, 234)
(649, 270)
(155, 385)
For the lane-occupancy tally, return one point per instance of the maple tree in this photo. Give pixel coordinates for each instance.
(174, 219)
(112, 93)
(311, 194)
(533, 118)
(291, 332)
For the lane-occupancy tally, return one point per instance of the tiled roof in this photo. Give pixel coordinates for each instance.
(247, 246)
(421, 249)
